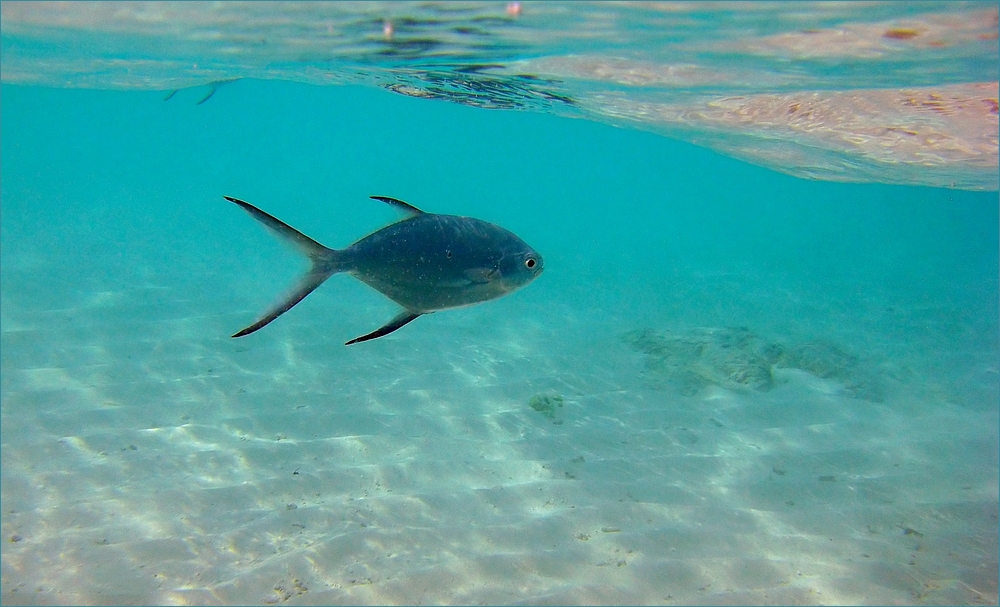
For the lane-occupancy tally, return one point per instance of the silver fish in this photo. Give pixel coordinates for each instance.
(425, 262)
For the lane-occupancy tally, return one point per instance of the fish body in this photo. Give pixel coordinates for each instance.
(425, 263)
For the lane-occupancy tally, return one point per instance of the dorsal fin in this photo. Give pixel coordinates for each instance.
(404, 206)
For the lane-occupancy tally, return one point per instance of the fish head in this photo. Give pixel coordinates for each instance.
(519, 265)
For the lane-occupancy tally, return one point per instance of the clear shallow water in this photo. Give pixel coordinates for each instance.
(884, 92)
(149, 458)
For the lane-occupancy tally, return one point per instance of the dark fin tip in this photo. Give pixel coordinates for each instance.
(409, 208)
(404, 317)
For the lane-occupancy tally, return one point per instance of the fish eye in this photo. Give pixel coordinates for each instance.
(530, 263)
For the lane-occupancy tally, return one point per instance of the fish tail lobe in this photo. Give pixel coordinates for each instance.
(325, 263)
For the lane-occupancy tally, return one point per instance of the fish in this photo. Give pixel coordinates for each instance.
(425, 262)
(212, 87)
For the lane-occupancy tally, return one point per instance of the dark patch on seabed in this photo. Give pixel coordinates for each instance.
(737, 359)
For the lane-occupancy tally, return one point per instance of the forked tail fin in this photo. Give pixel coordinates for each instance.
(325, 263)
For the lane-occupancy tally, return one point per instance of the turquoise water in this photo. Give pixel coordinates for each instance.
(591, 438)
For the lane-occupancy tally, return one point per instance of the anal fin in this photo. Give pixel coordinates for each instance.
(401, 319)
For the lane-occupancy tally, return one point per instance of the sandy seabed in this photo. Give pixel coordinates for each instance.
(150, 459)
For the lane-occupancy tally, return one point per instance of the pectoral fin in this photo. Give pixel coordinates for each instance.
(404, 317)
(481, 276)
